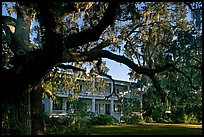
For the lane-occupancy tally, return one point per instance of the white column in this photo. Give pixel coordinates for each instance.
(112, 101)
(93, 104)
(104, 108)
(111, 86)
(128, 88)
(141, 92)
(65, 105)
(111, 106)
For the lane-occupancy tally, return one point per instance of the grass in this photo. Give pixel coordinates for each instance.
(148, 129)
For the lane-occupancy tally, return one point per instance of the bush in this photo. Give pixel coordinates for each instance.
(74, 125)
(189, 119)
(156, 115)
(102, 119)
(149, 120)
(78, 126)
(55, 126)
(130, 119)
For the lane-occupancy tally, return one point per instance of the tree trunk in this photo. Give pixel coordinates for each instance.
(24, 112)
(37, 112)
(15, 109)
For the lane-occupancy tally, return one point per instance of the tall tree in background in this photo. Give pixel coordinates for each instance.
(145, 36)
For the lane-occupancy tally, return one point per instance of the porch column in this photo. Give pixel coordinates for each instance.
(112, 101)
(63, 104)
(128, 88)
(51, 106)
(111, 106)
(93, 104)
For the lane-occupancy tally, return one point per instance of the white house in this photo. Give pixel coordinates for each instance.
(96, 102)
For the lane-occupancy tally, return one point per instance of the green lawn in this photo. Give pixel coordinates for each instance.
(148, 129)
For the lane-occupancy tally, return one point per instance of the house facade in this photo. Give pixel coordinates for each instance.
(98, 102)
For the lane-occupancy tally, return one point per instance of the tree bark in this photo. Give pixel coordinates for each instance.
(16, 113)
(24, 113)
(37, 121)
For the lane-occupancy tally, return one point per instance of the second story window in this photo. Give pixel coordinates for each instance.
(57, 105)
(125, 87)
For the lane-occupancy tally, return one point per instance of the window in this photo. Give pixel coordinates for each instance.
(125, 87)
(57, 105)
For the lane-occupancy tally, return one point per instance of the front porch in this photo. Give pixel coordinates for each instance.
(63, 108)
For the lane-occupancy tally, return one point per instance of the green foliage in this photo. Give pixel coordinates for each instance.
(149, 119)
(135, 119)
(73, 125)
(189, 119)
(130, 105)
(156, 115)
(76, 123)
(102, 119)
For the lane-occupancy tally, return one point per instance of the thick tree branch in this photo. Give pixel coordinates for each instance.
(163, 68)
(158, 87)
(63, 66)
(53, 47)
(95, 54)
(94, 33)
(120, 59)
(20, 42)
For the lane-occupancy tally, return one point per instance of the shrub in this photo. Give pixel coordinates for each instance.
(149, 120)
(190, 119)
(124, 119)
(156, 115)
(74, 125)
(102, 119)
(130, 119)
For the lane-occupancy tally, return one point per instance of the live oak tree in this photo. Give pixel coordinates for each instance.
(140, 35)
